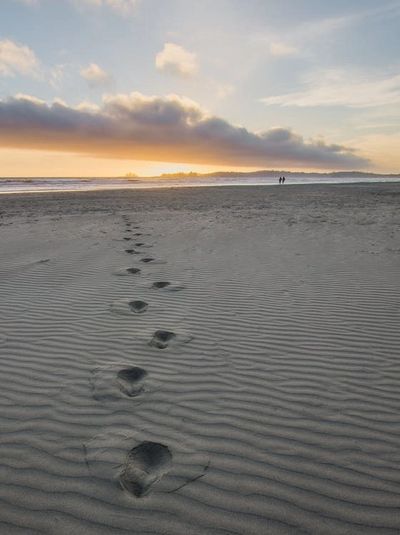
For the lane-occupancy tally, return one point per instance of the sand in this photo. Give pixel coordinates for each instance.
(245, 379)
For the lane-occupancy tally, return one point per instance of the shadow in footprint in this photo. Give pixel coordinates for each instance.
(161, 339)
(129, 307)
(126, 272)
(147, 260)
(131, 380)
(132, 251)
(119, 381)
(127, 239)
(171, 287)
(138, 306)
(144, 466)
(160, 284)
(133, 270)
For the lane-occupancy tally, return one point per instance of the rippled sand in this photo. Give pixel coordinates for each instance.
(201, 361)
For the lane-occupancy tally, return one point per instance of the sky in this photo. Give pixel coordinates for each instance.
(108, 87)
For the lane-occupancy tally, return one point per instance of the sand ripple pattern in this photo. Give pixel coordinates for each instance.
(277, 406)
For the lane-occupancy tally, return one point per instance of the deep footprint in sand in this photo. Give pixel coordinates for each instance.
(138, 307)
(119, 381)
(133, 270)
(147, 259)
(171, 287)
(160, 284)
(126, 272)
(141, 463)
(127, 239)
(161, 339)
(144, 466)
(131, 380)
(132, 251)
(129, 307)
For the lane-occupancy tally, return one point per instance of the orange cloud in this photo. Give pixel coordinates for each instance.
(167, 129)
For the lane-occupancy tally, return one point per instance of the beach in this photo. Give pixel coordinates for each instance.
(191, 361)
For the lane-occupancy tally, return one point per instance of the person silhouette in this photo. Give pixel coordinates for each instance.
(283, 180)
(280, 180)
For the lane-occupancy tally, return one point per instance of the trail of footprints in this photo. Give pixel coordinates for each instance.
(147, 463)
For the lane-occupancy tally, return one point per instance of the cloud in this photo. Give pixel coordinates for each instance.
(302, 38)
(168, 129)
(175, 60)
(336, 87)
(17, 59)
(95, 75)
(279, 49)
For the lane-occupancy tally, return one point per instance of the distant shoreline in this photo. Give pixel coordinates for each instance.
(183, 187)
(219, 174)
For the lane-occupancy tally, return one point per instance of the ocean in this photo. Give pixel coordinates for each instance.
(35, 185)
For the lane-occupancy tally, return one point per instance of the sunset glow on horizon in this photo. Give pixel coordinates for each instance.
(104, 88)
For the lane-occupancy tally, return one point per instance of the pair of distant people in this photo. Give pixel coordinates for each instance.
(282, 180)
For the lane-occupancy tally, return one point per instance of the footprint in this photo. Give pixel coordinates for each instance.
(142, 463)
(161, 284)
(133, 270)
(144, 466)
(127, 307)
(130, 380)
(138, 306)
(117, 381)
(139, 244)
(127, 239)
(172, 287)
(131, 251)
(125, 272)
(161, 339)
(147, 259)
